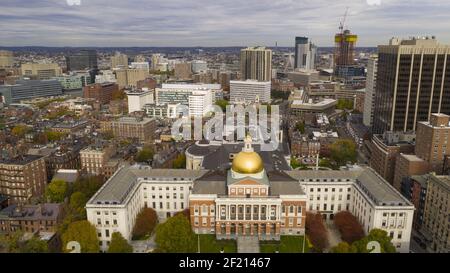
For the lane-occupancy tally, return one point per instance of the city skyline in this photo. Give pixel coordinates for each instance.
(177, 23)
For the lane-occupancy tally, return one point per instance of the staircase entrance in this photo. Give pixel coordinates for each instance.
(248, 244)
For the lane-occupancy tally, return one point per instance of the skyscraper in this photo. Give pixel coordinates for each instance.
(256, 64)
(413, 81)
(85, 59)
(370, 91)
(345, 48)
(6, 59)
(305, 53)
(119, 60)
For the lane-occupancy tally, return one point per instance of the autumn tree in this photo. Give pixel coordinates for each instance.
(348, 226)
(175, 236)
(343, 151)
(378, 235)
(20, 130)
(145, 155)
(119, 244)
(145, 223)
(316, 231)
(344, 247)
(56, 191)
(77, 203)
(84, 233)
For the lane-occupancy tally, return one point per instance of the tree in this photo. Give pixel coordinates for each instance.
(316, 231)
(223, 104)
(88, 185)
(34, 245)
(145, 155)
(118, 95)
(294, 163)
(175, 236)
(12, 243)
(300, 126)
(179, 162)
(379, 236)
(348, 226)
(146, 222)
(54, 136)
(56, 191)
(20, 130)
(77, 203)
(344, 247)
(343, 151)
(119, 244)
(84, 233)
(344, 104)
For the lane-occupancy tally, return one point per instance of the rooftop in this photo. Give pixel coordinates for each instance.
(20, 160)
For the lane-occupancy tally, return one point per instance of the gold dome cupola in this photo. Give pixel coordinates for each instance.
(247, 161)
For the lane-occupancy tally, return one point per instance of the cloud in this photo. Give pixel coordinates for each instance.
(215, 23)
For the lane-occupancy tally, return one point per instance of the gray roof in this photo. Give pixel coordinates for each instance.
(377, 188)
(32, 212)
(117, 188)
(217, 157)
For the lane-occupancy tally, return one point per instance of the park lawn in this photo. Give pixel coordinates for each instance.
(209, 244)
(287, 244)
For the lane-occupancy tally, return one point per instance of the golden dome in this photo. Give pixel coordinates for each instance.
(247, 163)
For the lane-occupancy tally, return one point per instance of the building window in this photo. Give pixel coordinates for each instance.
(107, 233)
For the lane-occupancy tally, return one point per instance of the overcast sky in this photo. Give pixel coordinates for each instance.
(215, 22)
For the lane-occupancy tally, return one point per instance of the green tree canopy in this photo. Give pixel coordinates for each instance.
(56, 191)
(378, 235)
(88, 185)
(54, 136)
(300, 126)
(343, 151)
(223, 104)
(146, 222)
(77, 203)
(344, 247)
(176, 236)
(119, 244)
(145, 155)
(84, 233)
(34, 245)
(20, 130)
(344, 104)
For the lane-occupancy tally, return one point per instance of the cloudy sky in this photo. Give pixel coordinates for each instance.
(215, 22)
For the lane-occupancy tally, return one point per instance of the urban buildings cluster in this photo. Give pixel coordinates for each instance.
(363, 131)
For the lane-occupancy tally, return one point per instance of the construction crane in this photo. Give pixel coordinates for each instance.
(342, 23)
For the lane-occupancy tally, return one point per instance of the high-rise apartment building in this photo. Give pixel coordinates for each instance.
(131, 77)
(385, 149)
(249, 91)
(85, 59)
(433, 138)
(29, 89)
(436, 213)
(119, 60)
(256, 64)
(305, 53)
(102, 92)
(183, 71)
(371, 84)
(22, 178)
(413, 81)
(6, 59)
(42, 71)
